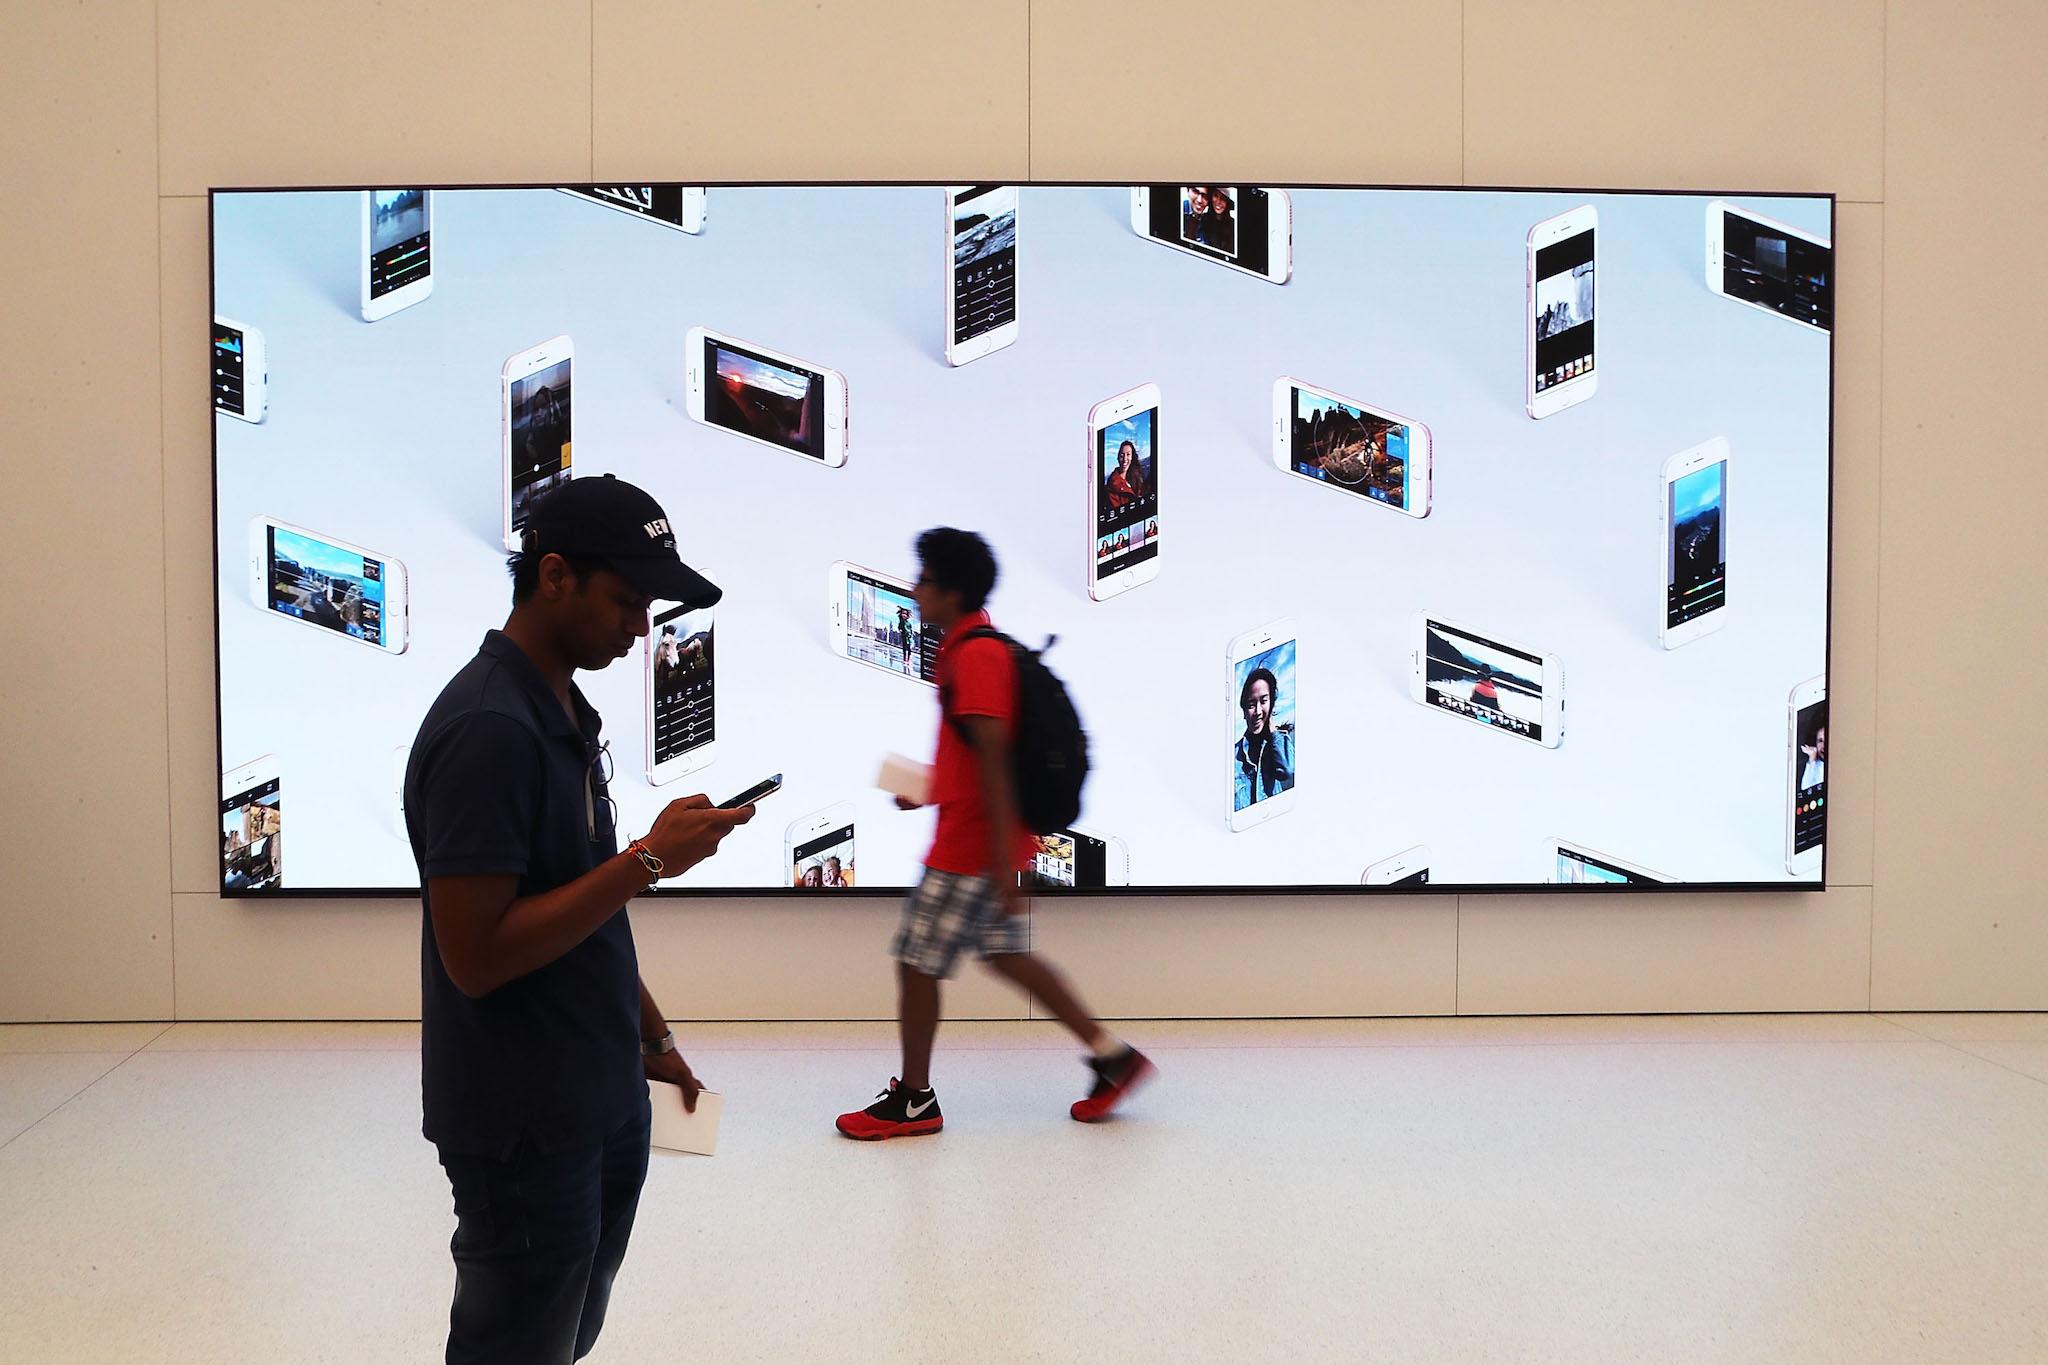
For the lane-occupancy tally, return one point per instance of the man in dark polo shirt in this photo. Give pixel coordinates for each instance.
(538, 1036)
(968, 897)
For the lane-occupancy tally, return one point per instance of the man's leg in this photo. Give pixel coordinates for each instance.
(917, 1023)
(624, 1172)
(1043, 983)
(1118, 1067)
(925, 947)
(526, 1235)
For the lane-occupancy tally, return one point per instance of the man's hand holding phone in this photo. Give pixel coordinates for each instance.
(689, 830)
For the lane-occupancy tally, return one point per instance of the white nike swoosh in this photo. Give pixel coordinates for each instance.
(911, 1111)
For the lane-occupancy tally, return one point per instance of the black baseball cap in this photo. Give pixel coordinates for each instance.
(609, 519)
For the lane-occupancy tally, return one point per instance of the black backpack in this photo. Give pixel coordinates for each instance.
(1048, 747)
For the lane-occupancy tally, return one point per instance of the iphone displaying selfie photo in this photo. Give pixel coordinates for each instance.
(1248, 228)
(818, 849)
(1123, 492)
(1264, 724)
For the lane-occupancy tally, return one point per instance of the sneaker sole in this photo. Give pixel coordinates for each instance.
(1145, 1072)
(924, 1128)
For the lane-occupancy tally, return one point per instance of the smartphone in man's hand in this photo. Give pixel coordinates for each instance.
(764, 788)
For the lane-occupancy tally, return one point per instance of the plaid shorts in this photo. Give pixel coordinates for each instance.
(947, 912)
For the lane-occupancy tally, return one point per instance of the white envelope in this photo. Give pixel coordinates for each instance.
(905, 777)
(676, 1129)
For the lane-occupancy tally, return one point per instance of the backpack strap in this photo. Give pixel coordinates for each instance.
(991, 633)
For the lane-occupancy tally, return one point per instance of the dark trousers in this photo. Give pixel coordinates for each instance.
(538, 1238)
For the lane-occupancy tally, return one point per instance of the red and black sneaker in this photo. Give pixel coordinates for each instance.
(896, 1112)
(1115, 1078)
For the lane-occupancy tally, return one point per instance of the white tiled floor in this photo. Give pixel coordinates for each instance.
(1838, 1188)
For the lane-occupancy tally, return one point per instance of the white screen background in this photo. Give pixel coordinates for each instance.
(1547, 533)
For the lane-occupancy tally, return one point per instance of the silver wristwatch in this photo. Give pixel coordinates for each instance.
(665, 1043)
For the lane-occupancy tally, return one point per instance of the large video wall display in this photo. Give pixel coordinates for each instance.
(1407, 539)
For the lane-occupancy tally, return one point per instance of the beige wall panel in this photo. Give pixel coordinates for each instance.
(1955, 919)
(359, 959)
(188, 549)
(1706, 953)
(1961, 920)
(297, 959)
(259, 93)
(1852, 698)
(1740, 94)
(809, 90)
(1307, 955)
(85, 914)
(742, 959)
(1284, 91)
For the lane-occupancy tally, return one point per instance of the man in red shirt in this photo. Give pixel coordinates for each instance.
(969, 896)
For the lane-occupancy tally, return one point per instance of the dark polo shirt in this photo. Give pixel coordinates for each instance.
(502, 782)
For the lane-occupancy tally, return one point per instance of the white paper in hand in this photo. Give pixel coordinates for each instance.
(906, 777)
(676, 1129)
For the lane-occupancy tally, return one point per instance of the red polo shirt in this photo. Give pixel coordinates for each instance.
(976, 678)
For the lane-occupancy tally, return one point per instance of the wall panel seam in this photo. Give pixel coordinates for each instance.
(1457, 954)
(1884, 95)
(1877, 627)
(163, 578)
(156, 41)
(592, 69)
